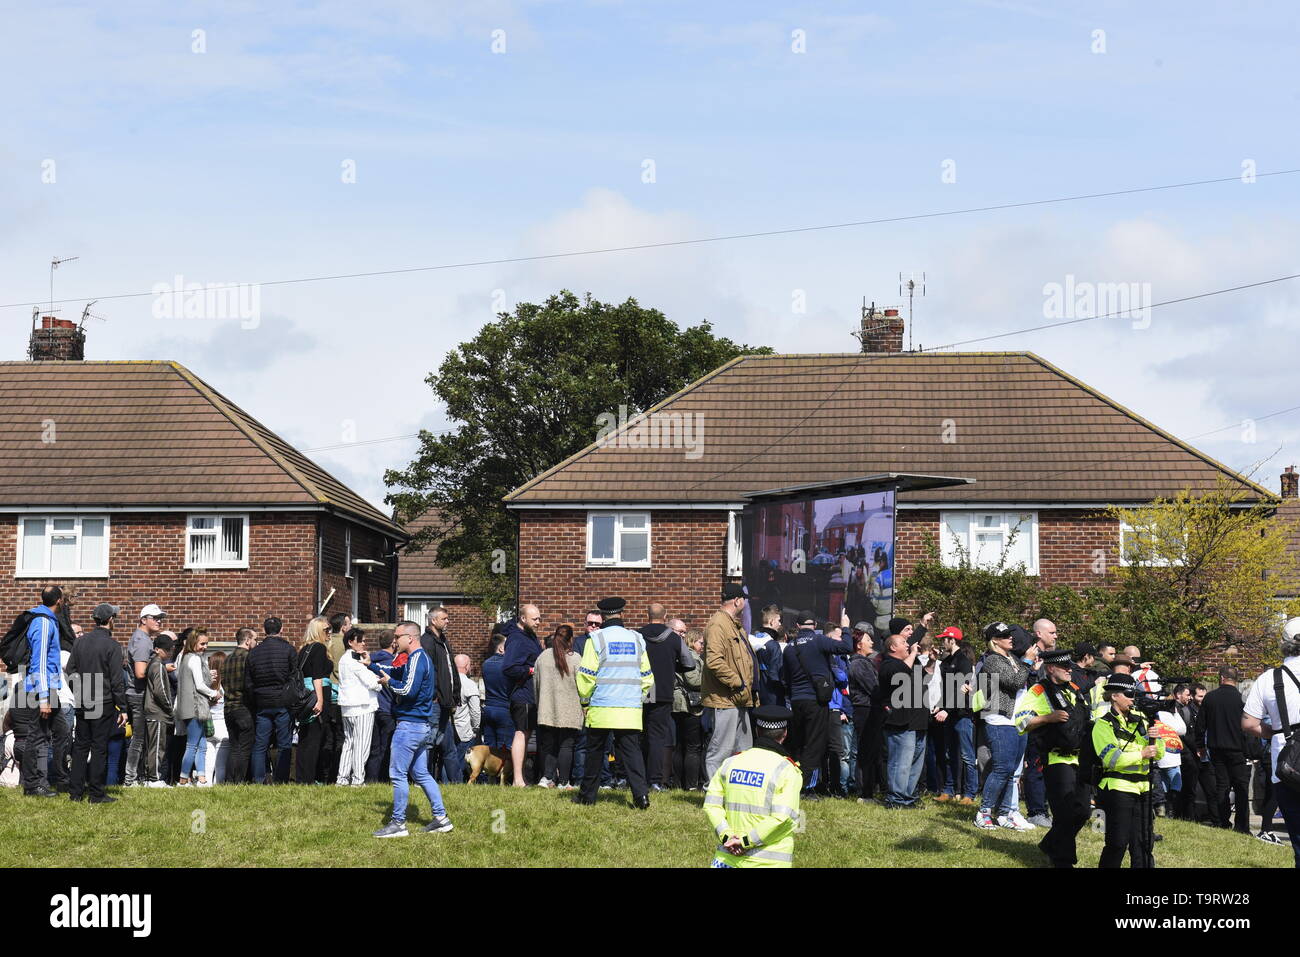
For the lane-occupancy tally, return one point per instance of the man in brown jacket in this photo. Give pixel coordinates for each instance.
(730, 681)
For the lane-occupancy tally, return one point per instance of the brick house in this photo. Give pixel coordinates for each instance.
(652, 516)
(137, 482)
(423, 585)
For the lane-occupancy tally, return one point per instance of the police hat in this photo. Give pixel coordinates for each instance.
(611, 606)
(1057, 656)
(1123, 684)
(771, 717)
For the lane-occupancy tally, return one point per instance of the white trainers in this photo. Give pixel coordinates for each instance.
(984, 821)
(546, 783)
(156, 784)
(1015, 821)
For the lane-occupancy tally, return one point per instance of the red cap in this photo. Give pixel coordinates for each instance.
(953, 632)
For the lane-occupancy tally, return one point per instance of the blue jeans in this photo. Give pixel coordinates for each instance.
(1031, 780)
(962, 774)
(1007, 752)
(906, 751)
(1172, 777)
(412, 743)
(580, 755)
(848, 755)
(196, 750)
(267, 720)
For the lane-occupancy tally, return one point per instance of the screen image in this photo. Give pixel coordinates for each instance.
(825, 555)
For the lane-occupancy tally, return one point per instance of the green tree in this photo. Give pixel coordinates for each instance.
(525, 394)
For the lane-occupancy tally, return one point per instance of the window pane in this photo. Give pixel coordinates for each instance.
(954, 537)
(203, 549)
(33, 544)
(65, 524)
(63, 553)
(92, 544)
(635, 546)
(232, 539)
(203, 521)
(634, 521)
(602, 538)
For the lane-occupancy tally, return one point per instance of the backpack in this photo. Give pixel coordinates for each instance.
(15, 650)
(1066, 738)
(1287, 766)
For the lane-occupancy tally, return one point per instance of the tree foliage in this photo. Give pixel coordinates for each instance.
(525, 394)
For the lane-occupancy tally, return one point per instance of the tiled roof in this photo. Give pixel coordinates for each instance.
(1024, 429)
(418, 572)
(148, 433)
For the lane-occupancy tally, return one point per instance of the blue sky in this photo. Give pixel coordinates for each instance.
(226, 165)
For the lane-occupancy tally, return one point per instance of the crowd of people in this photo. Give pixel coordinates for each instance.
(878, 717)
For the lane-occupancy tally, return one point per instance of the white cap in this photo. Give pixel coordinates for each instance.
(1291, 630)
(152, 610)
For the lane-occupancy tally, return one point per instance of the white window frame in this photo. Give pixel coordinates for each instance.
(1126, 529)
(617, 560)
(347, 551)
(1009, 521)
(735, 550)
(190, 532)
(20, 572)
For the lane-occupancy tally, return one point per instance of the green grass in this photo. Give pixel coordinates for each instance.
(249, 826)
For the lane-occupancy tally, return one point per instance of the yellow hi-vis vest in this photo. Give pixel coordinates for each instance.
(1119, 745)
(755, 796)
(1097, 702)
(1034, 703)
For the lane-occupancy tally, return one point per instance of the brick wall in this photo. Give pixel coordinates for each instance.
(468, 630)
(688, 551)
(146, 564)
(373, 585)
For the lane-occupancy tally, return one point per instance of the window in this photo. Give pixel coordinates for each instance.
(216, 541)
(62, 545)
(347, 552)
(618, 538)
(985, 536)
(735, 554)
(1138, 547)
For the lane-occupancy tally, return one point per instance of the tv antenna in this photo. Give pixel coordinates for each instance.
(911, 285)
(87, 314)
(54, 264)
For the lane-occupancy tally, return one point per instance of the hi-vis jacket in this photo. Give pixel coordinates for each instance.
(1119, 742)
(1035, 703)
(755, 796)
(1097, 703)
(614, 677)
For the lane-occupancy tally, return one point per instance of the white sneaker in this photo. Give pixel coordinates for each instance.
(546, 783)
(156, 784)
(1015, 821)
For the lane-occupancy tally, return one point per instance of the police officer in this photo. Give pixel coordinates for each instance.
(613, 680)
(753, 799)
(1055, 710)
(1119, 738)
(1097, 696)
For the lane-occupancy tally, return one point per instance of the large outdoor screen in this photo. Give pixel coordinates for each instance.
(824, 555)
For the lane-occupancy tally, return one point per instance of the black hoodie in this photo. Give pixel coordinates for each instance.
(668, 655)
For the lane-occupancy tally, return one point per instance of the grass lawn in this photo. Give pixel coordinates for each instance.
(247, 826)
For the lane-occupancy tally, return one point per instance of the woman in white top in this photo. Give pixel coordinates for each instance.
(194, 697)
(358, 700)
(219, 739)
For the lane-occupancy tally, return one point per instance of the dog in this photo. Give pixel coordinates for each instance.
(494, 762)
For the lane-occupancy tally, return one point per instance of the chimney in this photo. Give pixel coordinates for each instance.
(1289, 480)
(56, 339)
(882, 330)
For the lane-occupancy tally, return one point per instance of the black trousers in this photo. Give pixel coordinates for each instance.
(311, 736)
(381, 740)
(556, 751)
(175, 753)
(90, 749)
(1068, 796)
(331, 743)
(61, 734)
(812, 721)
(1231, 773)
(1128, 828)
(32, 734)
(239, 725)
(871, 736)
(688, 756)
(627, 746)
(657, 719)
(1185, 800)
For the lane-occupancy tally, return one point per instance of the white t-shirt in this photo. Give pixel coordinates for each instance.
(1261, 703)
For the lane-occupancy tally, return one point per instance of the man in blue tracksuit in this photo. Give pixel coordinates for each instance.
(413, 686)
(522, 649)
(37, 707)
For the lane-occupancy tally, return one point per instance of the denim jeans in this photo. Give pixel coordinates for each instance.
(412, 742)
(1007, 749)
(906, 750)
(269, 719)
(1173, 778)
(961, 775)
(196, 751)
(848, 755)
(443, 753)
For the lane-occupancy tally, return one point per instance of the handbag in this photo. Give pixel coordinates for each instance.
(300, 699)
(1287, 766)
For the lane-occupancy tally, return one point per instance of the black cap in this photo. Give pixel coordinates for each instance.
(1124, 684)
(999, 629)
(1020, 640)
(733, 590)
(771, 717)
(807, 618)
(104, 612)
(611, 606)
(1057, 656)
(896, 625)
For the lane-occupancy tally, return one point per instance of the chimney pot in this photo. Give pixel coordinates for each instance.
(882, 330)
